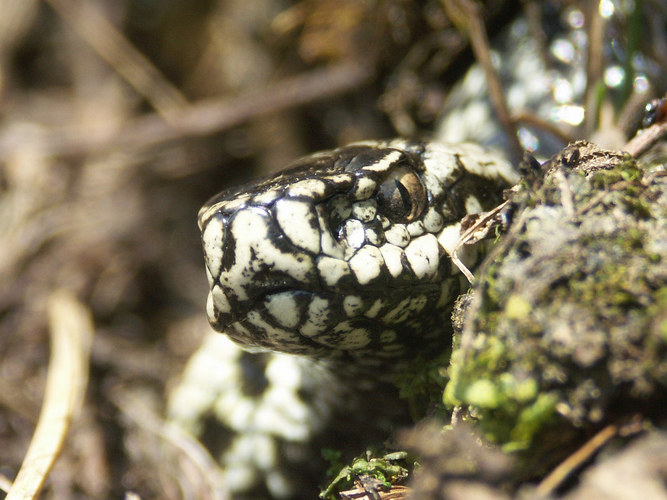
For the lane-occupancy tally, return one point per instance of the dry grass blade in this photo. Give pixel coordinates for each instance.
(113, 47)
(71, 333)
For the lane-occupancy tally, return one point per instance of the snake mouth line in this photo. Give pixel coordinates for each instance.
(349, 251)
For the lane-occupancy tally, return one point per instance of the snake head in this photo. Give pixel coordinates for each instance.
(346, 251)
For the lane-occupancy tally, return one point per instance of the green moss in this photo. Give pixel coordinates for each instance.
(517, 307)
(573, 313)
(531, 419)
(482, 393)
(512, 408)
(627, 170)
(569, 330)
(391, 468)
(421, 383)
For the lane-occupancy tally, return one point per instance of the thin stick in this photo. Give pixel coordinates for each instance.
(574, 461)
(467, 18)
(468, 235)
(71, 331)
(205, 117)
(530, 119)
(640, 143)
(594, 63)
(5, 483)
(115, 49)
(566, 195)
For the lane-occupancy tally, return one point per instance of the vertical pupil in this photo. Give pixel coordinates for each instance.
(405, 195)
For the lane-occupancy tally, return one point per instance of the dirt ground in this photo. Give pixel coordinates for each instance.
(118, 120)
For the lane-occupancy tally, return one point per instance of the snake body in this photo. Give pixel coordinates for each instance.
(346, 254)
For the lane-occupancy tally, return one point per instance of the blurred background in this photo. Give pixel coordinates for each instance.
(118, 119)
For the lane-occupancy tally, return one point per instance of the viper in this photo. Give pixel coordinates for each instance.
(346, 255)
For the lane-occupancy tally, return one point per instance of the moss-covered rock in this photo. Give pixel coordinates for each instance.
(567, 327)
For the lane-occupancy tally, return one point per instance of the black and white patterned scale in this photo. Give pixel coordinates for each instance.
(346, 254)
(345, 259)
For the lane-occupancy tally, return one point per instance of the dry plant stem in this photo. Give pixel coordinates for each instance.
(643, 141)
(5, 483)
(594, 63)
(574, 461)
(203, 118)
(114, 48)
(466, 15)
(71, 331)
(396, 493)
(535, 121)
(468, 237)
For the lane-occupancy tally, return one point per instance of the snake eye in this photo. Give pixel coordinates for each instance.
(402, 197)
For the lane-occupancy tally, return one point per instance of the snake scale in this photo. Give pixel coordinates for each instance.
(345, 255)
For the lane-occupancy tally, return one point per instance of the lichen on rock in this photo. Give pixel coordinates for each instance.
(567, 327)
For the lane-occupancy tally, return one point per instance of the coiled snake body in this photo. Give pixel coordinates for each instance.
(345, 255)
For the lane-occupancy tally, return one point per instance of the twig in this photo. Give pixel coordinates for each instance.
(114, 48)
(5, 483)
(594, 63)
(640, 143)
(396, 493)
(574, 461)
(582, 209)
(201, 118)
(530, 119)
(485, 222)
(466, 16)
(71, 334)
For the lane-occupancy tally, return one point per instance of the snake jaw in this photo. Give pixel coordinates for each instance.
(344, 252)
